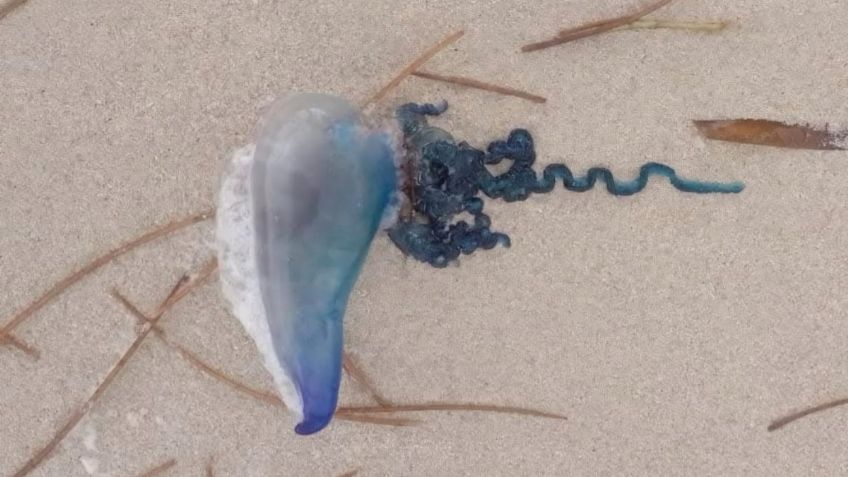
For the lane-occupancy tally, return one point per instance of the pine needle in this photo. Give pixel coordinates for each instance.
(447, 406)
(594, 28)
(778, 423)
(179, 292)
(9, 7)
(61, 286)
(651, 24)
(159, 469)
(477, 84)
(355, 372)
(412, 67)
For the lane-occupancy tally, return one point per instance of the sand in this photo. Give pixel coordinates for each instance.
(670, 329)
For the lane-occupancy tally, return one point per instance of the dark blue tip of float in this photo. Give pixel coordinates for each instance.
(319, 405)
(318, 369)
(313, 423)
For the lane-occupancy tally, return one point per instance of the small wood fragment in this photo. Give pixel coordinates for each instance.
(18, 343)
(765, 132)
(9, 7)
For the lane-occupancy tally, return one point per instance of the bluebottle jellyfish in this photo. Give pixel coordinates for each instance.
(298, 210)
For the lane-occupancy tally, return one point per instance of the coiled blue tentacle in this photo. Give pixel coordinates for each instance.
(521, 180)
(448, 178)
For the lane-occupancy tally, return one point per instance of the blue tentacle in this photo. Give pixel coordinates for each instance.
(449, 177)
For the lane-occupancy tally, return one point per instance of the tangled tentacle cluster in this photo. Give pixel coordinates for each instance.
(447, 178)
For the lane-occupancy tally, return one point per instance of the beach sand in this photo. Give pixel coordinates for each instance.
(670, 329)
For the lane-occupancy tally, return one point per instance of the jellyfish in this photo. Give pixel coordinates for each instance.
(298, 210)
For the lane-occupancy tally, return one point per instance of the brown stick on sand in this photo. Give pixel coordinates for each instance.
(20, 344)
(184, 287)
(57, 289)
(354, 371)
(651, 24)
(594, 28)
(473, 83)
(412, 67)
(9, 7)
(778, 423)
(446, 406)
(159, 469)
(193, 359)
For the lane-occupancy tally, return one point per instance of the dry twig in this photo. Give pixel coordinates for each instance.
(159, 469)
(778, 423)
(413, 67)
(355, 372)
(20, 344)
(9, 7)
(594, 28)
(473, 83)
